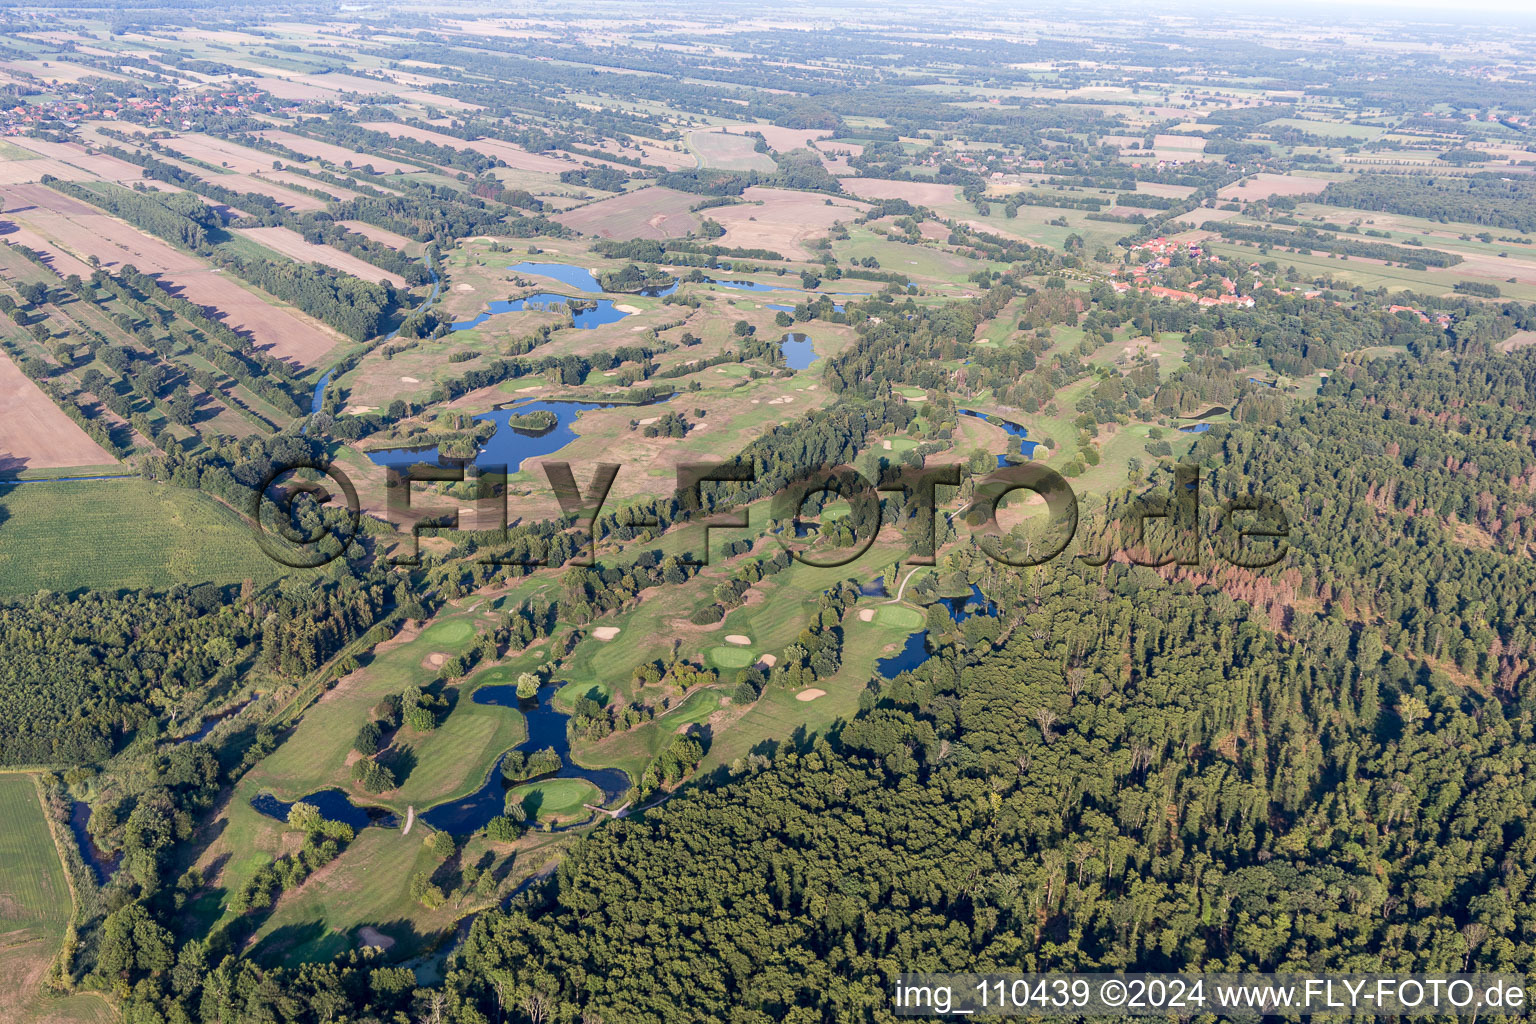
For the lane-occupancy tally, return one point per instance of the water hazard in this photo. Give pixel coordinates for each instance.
(915, 651)
(546, 729)
(509, 446)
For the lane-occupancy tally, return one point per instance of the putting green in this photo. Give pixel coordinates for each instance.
(557, 798)
(731, 657)
(452, 632)
(897, 617)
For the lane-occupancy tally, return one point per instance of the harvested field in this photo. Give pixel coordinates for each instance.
(17, 172)
(1153, 188)
(82, 164)
(785, 139)
(515, 156)
(1265, 185)
(292, 244)
(655, 212)
(520, 159)
(295, 201)
(784, 222)
(35, 433)
(381, 235)
(220, 153)
(662, 155)
(1518, 340)
(66, 227)
(300, 181)
(731, 151)
(923, 193)
(336, 154)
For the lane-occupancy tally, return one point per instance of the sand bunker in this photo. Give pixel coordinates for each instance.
(606, 633)
(866, 615)
(737, 638)
(625, 307)
(368, 935)
(409, 380)
(810, 694)
(768, 660)
(435, 660)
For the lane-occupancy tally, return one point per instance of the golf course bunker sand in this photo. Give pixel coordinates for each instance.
(368, 935)
(606, 633)
(810, 694)
(768, 660)
(625, 307)
(737, 638)
(866, 615)
(435, 660)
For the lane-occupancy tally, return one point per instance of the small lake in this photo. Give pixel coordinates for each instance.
(546, 728)
(1198, 428)
(603, 311)
(333, 805)
(798, 351)
(103, 865)
(579, 278)
(582, 279)
(508, 446)
(915, 651)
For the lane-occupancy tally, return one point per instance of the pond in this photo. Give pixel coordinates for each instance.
(1197, 428)
(601, 311)
(333, 805)
(101, 863)
(915, 651)
(1009, 428)
(546, 729)
(509, 446)
(837, 307)
(798, 351)
(212, 721)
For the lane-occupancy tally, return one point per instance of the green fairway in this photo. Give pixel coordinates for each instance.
(728, 656)
(120, 534)
(369, 884)
(557, 799)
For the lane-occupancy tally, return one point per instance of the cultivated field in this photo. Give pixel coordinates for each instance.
(35, 907)
(114, 534)
(35, 433)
